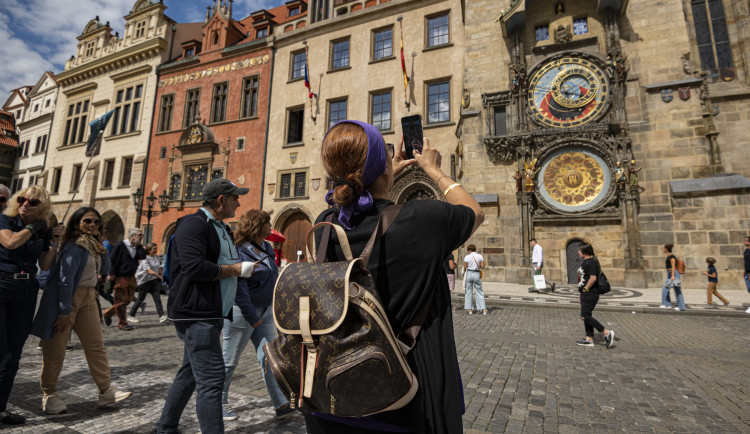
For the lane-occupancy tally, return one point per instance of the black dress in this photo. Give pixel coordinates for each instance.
(407, 266)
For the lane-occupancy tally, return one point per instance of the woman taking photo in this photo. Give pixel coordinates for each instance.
(672, 281)
(363, 168)
(69, 302)
(24, 240)
(252, 313)
(149, 278)
(589, 290)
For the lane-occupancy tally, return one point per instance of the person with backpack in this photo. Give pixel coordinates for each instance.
(588, 273)
(203, 276)
(363, 168)
(672, 281)
(473, 263)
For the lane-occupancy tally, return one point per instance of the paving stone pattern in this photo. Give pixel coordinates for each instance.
(521, 370)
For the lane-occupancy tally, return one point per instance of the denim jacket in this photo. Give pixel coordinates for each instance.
(60, 283)
(256, 290)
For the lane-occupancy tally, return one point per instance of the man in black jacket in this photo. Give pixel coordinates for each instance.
(124, 259)
(203, 274)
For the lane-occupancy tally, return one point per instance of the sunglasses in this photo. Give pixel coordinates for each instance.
(3, 199)
(32, 202)
(391, 149)
(89, 220)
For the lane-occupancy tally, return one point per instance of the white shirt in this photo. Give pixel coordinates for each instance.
(130, 247)
(473, 260)
(537, 256)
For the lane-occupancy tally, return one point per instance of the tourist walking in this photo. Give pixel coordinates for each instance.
(148, 276)
(537, 261)
(473, 263)
(69, 303)
(124, 258)
(203, 284)
(713, 282)
(252, 313)
(363, 168)
(24, 240)
(589, 290)
(672, 281)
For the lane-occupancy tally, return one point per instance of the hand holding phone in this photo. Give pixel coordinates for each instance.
(411, 127)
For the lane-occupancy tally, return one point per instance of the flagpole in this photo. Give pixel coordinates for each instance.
(403, 62)
(96, 144)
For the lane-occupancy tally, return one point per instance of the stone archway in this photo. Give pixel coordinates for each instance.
(114, 226)
(414, 184)
(168, 232)
(293, 222)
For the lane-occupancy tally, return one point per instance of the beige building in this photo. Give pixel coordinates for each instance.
(563, 92)
(34, 128)
(355, 72)
(108, 72)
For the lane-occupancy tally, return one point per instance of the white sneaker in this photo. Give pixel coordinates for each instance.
(134, 320)
(748, 310)
(661, 306)
(111, 396)
(163, 318)
(53, 404)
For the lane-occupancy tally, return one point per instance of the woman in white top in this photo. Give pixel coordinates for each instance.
(148, 277)
(473, 262)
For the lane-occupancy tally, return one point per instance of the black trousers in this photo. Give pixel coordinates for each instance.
(151, 287)
(588, 303)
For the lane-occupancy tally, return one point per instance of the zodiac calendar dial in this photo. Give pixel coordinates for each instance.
(574, 179)
(568, 92)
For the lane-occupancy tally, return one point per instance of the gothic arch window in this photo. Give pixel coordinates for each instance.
(711, 34)
(414, 184)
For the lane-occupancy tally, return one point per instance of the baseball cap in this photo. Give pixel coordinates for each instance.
(222, 187)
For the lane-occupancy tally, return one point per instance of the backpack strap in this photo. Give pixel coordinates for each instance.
(411, 331)
(387, 217)
(320, 256)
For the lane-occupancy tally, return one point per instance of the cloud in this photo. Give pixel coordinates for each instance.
(23, 66)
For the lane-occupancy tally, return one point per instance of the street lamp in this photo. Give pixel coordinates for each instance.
(149, 211)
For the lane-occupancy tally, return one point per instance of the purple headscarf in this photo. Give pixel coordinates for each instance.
(375, 165)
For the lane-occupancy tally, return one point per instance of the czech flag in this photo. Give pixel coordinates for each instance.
(307, 81)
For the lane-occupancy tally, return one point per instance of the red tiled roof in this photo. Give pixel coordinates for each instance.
(7, 124)
(279, 16)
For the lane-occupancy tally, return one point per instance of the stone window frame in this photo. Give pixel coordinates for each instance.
(219, 99)
(140, 29)
(240, 144)
(289, 110)
(379, 92)
(537, 29)
(126, 170)
(374, 47)
(332, 59)
(293, 178)
(75, 176)
(76, 120)
(54, 187)
(108, 173)
(256, 97)
(427, 20)
(128, 105)
(41, 144)
(292, 64)
(166, 111)
(442, 80)
(329, 110)
(192, 106)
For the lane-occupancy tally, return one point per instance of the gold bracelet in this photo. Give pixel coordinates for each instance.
(451, 187)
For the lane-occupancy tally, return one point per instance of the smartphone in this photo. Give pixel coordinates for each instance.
(411, 126)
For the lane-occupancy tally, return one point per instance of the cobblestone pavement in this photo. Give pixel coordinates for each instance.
(521, 370)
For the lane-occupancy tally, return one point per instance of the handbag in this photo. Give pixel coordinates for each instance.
(475, 263)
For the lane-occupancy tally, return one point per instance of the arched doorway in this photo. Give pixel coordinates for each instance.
(112, 223)
(573, 261)
(295, 229)
(165, 238)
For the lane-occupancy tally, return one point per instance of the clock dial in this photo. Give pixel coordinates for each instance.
(568, 92)
(574, 179)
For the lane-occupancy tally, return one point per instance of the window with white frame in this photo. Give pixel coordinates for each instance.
(381, 111)
(382, 44)
(438, 30)
(438, 102)
(298, 65)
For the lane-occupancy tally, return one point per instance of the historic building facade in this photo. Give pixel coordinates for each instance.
(621, 124)
(351, 51)
(14, 109)
(34, 128)
(211, 115)
(108, 72)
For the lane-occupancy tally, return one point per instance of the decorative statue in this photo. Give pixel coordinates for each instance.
(563, 34)
(530, 171)
(559, 8)
(519, 181)
(633, 173)
(687, 65)
(620, 176)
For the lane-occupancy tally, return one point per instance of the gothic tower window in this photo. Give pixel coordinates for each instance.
(711, 35)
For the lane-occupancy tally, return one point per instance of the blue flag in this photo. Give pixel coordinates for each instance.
(97, 125)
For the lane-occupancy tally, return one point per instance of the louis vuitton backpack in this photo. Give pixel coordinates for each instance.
(336, 352)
